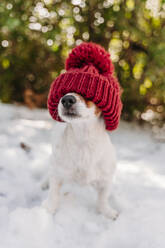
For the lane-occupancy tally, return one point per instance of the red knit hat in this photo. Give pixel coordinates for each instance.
(89, 72)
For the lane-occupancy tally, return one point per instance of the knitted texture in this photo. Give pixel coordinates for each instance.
(89, 72)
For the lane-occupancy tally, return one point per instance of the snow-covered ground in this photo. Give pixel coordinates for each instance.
(138, 194)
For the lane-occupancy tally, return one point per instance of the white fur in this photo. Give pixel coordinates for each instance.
(84, 155)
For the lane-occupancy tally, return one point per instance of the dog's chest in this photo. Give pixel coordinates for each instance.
(77, 159)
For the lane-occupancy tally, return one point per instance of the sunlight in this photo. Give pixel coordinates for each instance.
(36, 123)
(154, 6)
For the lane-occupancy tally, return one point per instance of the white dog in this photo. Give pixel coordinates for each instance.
(84, 153)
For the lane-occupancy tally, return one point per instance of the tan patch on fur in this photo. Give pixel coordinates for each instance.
(81, 98)
(97, 111)
(90, 104)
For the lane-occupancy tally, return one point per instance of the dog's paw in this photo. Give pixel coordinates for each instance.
(110, 213)
(51, 208)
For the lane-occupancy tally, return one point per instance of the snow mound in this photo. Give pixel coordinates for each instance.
(138, 191)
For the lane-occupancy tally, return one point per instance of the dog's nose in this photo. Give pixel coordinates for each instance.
(68, 101)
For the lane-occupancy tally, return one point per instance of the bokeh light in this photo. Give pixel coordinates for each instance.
(37, 36)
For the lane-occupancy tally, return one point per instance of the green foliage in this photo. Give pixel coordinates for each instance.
(36, 37)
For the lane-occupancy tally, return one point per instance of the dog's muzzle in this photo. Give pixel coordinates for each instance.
(68, 101)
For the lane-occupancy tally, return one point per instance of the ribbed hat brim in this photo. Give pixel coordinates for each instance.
(103, 91)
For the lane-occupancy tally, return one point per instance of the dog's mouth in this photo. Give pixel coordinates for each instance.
(71, 114)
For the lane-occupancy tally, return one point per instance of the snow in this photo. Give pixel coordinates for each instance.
(138, 190)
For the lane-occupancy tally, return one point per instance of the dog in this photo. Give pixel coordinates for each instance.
(84, 154)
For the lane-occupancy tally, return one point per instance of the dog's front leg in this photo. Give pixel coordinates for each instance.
(52, 202)
(103, 203)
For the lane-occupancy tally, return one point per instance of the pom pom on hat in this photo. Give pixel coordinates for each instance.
(90, 54)
(89, 72)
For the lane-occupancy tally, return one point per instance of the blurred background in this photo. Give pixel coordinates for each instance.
(37, 35)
